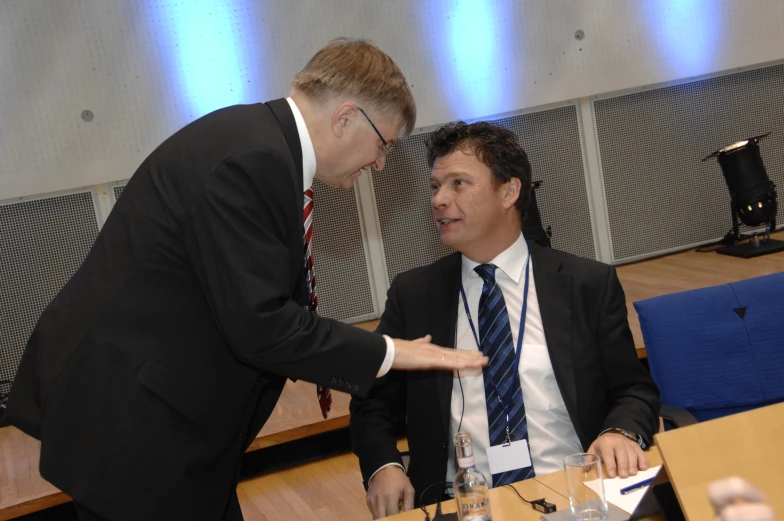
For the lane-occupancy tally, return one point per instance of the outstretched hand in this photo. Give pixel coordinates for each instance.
(421, 355)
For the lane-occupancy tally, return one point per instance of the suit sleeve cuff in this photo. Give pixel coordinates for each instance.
(383, 467)
(386, 365)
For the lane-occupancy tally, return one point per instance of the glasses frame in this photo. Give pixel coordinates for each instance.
(385, 148)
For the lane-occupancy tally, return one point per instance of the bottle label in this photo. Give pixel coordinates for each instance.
(466, 462)
(475, 505)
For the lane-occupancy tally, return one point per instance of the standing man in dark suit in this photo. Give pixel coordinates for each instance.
(157, 364)
(576, 383)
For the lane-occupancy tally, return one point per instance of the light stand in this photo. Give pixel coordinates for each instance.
(753, 198)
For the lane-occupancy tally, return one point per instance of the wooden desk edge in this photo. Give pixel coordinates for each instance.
(33, 505)
(297, 433)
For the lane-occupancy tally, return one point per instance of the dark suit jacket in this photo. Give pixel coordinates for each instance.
(591, 349)
(157, 364)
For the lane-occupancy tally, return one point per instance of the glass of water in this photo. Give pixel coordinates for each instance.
(585, 486)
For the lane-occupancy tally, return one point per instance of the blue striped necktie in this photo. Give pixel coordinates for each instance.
(496, 343)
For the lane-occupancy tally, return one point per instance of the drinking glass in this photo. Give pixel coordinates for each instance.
(588, 504)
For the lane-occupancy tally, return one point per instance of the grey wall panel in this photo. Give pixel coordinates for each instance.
(42, 243)
(118, 190)
(402, 194)
(342, 275)
(552, 140)
(660, 196)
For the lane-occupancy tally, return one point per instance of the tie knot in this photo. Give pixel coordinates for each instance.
(487, 272)
(309, 193)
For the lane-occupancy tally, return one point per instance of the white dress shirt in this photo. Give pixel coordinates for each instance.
(308, 173)
(551, 435)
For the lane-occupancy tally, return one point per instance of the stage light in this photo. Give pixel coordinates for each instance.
(753, 198)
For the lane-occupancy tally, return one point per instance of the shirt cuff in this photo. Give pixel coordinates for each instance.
(383, 467)
(386, 365)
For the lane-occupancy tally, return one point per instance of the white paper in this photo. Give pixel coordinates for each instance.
(612, 489)
(512, 457)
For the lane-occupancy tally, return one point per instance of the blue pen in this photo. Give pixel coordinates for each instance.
(636, 486)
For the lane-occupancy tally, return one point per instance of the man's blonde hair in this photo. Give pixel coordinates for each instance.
(359, 69)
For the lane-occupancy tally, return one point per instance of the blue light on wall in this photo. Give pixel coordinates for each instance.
(689, 31)
(471, 55)
(206, 59)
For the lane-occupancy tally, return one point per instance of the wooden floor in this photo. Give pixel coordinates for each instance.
(297, 415)
(326, 490)
(22, 489)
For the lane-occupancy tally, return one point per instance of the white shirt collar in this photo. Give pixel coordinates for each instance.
(511, 261)
(308, 152)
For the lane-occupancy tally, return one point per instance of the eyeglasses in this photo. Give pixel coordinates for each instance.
(386, 148)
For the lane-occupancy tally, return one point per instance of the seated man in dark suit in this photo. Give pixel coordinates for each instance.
(578, 385)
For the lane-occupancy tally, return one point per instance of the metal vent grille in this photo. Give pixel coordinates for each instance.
(42, 243)
(339, 255)
(118, 190)
(660, 196)
(552, 140)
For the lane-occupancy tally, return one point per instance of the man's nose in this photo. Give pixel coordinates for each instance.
(439, 198)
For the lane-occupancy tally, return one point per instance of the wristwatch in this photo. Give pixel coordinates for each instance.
(627, 434)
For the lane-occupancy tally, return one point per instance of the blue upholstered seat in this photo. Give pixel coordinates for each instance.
(719, 350)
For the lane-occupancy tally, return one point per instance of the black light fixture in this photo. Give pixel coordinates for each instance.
(753, 198)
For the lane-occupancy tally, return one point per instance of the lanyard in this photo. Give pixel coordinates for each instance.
(510, 394)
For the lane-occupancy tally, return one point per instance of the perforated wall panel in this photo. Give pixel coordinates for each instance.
(118, 190)
(338, 252)
(660, 195)
(42, 243)
(552, 140)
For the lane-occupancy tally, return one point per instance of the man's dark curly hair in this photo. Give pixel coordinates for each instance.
(494, 146)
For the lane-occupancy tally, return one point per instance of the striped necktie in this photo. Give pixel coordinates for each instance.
(495, 336)
(323, 393)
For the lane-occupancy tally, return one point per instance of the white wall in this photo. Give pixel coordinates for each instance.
(146, 68)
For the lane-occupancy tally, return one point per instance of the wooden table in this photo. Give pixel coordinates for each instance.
(505, 504)
(557, 481)
(746, 444)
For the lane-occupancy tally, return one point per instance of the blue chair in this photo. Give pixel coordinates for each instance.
(719, 350)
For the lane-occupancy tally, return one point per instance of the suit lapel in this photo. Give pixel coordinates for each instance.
(554, 293)
(282, 112)
(443, 319)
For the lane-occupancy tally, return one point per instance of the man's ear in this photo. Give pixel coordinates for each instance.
(511, 192)
(342, 117)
